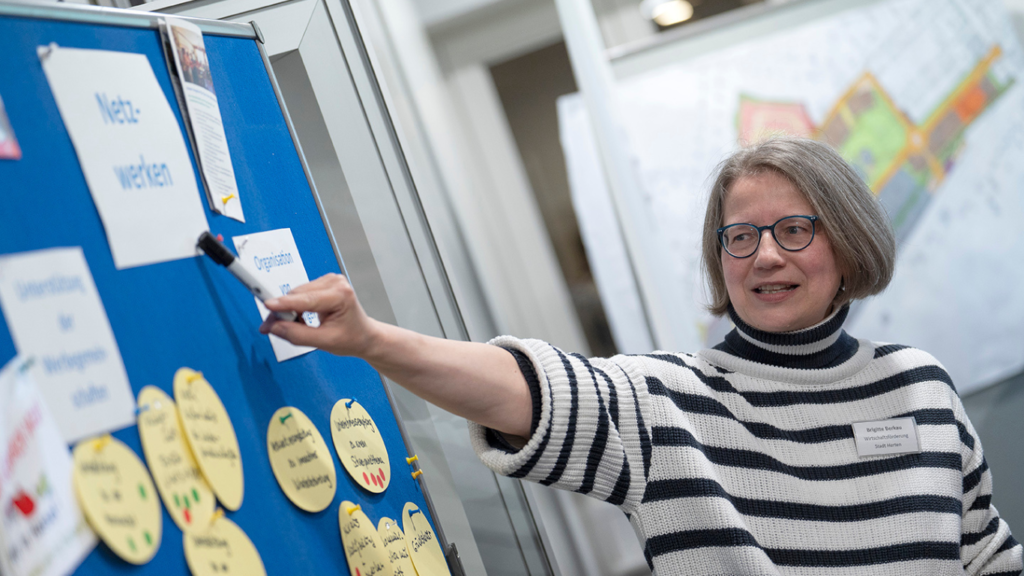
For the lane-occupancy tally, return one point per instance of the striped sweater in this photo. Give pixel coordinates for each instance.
(741, 459)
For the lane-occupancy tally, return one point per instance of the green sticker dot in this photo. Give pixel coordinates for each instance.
(142, 491)
(177, 502)
(149, 539)
(131, 543)
(195, 495)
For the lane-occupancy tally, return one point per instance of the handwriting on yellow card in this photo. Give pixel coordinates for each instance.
(118, 498)
(300, 460)
(363, 548)
(184, 490)
(222, 548)
(360, 446)
(210, 435)
(424, 549)
(394, 545)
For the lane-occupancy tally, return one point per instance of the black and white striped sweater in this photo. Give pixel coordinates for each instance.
(741, 459)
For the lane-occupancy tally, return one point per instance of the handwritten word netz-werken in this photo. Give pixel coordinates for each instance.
(120, 112)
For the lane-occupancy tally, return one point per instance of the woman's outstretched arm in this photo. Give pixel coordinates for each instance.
(479, 382)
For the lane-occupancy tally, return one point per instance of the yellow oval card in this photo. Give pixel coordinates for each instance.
(300, 459)
(210, 435)
(360, 446)
(394, 545)
(222, 548)
(363, 548)
(118, 498)
(185, 492)
(427, 557)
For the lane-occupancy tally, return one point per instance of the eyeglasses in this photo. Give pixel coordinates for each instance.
(792, 233)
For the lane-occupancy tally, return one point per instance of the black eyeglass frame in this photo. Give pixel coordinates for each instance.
(760, 232)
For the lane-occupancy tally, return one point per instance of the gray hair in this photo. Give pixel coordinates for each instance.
(862, 239)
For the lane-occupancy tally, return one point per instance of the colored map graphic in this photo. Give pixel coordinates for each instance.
(924, 98)
(758, 119)
(902, 162)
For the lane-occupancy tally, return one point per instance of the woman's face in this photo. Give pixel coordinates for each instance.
(776, 290)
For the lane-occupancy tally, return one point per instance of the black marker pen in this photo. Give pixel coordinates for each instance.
(221, 255)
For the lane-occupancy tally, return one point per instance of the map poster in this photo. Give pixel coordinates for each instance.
(925, 99)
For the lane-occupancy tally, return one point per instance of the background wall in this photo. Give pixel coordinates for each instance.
(504, 64)
(996, 415)
(496, 68)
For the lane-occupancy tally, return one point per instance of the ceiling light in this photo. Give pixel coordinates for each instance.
(667, 12)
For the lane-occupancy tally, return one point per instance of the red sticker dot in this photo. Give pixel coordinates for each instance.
(381, 470)
(366, 479)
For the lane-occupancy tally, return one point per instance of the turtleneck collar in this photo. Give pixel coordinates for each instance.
(824, 345)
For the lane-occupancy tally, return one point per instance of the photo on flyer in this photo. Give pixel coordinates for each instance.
(195, 68)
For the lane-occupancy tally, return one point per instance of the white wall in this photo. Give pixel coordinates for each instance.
(433, 12)
(486, 179)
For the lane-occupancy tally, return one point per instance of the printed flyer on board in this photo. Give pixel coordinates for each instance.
(189, 51)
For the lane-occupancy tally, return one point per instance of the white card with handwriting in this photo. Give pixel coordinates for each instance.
(54, 312)
(132, 153)
(273, 258)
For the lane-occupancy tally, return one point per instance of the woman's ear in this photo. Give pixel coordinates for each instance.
(840, 298)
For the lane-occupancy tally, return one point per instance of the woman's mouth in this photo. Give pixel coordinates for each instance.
(775, 288)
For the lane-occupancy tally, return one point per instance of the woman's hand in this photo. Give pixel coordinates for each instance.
(479, 382)
(345, 329)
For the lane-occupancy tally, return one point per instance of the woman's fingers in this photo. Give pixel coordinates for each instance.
(297, 333)
(307, 301)
(303, 302)
(344, 328)
(325, 294)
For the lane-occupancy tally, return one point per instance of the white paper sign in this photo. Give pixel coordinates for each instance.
(896, 436)
(204, 114)
(273, 259)
(55, 314)
(42, 531)
(131, 151)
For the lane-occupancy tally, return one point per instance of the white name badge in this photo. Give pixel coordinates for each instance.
(896, 436)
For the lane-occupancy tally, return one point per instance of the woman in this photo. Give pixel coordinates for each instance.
(740, 459)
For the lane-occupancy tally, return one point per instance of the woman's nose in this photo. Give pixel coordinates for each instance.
(769, 254)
